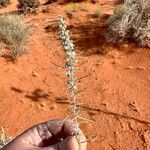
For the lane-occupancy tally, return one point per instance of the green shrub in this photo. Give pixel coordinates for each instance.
(97, 13)
(130, 21)
(71, 8)
(4, 3)
(14, 32)
(28, 6)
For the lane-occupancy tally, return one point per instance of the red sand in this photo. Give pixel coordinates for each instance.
(114, 95)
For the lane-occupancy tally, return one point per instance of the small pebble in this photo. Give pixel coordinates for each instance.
(34, 74)
(133, 106)
(130, 67)
(43, 104)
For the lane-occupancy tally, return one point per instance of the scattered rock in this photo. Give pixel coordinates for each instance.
(33, 112)
(93, 69)
(125, 45)
(129, 67)
(99, 63)
(32, 104)
(91, 113)
(133, 106)
(105, 104)
(53, 107)
(39, 107)
(44, 81)
(22, 101)
(79, 81)
(94, 1)
(114, 54)
(91, 20)
(70, 14)
(43, 104)
(140, 68)
(34, 74)
(115, 62)
(46, 9)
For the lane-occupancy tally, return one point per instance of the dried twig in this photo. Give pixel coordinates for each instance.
(3, 138)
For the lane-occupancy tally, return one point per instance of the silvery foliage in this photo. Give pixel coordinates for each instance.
(69, 49)
(70, 64)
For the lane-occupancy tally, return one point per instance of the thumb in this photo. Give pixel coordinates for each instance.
(69, 143)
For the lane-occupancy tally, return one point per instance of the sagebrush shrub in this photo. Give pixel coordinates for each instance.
(130, 21)
(14, 32)
(28, 6)
(73, 7)
(4, 2)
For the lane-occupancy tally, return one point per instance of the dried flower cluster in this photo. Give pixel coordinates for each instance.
(70, 64)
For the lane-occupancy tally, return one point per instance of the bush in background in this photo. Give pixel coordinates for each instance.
(4, 3)
(130, 21)
(14, 33)
(28, 6)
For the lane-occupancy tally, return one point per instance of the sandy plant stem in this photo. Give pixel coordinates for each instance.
(70, 64)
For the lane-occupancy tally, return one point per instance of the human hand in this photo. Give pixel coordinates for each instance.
(50, 135)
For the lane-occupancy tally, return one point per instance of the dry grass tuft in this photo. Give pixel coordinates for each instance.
(14, 33)
(97, 13)
(73, 7)
(131, 21)
(28, 6)
(3, 138)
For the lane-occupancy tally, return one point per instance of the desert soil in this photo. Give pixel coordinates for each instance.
(114, 88)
